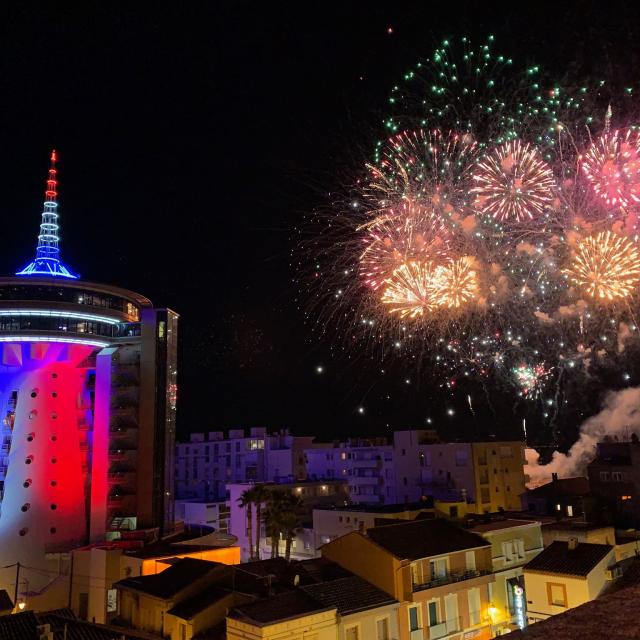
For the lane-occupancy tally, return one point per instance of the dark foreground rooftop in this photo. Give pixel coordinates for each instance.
(558, 558)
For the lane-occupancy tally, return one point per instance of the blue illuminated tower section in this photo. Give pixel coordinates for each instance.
(47, 261)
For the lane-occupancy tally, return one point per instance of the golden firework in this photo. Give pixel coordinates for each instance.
(409, 291)
(456, 284)
(606, 266)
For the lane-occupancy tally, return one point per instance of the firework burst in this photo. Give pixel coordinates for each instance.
(530, 379)
(410, 291)
(606, 266)
(456, 284)
(513, 182)
(612, 167)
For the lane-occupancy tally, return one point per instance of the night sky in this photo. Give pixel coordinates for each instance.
(193, 138)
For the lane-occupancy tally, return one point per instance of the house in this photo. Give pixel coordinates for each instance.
(439, 572)
(612, 616)
(332, 522)
(560, 497)
(6, 604)
(61, 624)
(293, 614)
(363, 611)
(566, 575)
(513, 544)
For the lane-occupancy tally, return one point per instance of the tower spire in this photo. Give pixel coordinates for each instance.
(47, 261)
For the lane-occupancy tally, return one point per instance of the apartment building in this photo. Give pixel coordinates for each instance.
(487, 475)
(566, 575)
(513, 544)
(210, 461)
(439, 572)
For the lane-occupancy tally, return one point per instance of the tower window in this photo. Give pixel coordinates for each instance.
(34, 393)
(54, 437)
(28, 460)
(23, 531)
(54, 394)
(53, 506)
(54, 483)
(52, 530)
(54, 375)
(30, 437)
(54, 416)
(27, 483)
(54, 460)
(25, 507)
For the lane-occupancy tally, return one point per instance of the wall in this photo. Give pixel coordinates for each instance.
(363, 557)
(319, 626)
(538, 607)
(366, 621)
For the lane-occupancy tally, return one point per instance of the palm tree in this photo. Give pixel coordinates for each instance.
(246, 501)
(291, 521)
(273, 518)
(260, 495)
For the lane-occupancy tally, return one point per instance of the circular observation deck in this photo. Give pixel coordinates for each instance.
(71, 311)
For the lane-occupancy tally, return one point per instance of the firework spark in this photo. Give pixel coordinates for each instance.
(606, 266)
(410, 290)
(513, 182)
(401, 234)
(456, 285)
(530, 378)
(612, 166)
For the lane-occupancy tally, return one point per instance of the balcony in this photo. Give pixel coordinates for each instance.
(450, 578)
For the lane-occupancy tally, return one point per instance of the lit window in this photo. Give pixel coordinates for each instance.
(557, 594)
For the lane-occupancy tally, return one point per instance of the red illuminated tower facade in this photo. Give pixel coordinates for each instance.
(87, 414)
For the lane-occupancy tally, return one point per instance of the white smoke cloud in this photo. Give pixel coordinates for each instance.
(620, 416)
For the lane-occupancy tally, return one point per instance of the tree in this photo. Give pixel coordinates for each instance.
(291, 521)
(246, 501)
(260, 495)
(273, 516)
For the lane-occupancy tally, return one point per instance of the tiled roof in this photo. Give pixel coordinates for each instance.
(613, 617)
(6, 603)
(63, 624)
(19, 626)
(558, 558)
(316, 570)
(172, 580)
(285, 606)
(349, 595)
(424, 538)
(192, 606)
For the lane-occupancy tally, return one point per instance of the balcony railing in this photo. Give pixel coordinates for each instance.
(451, 577)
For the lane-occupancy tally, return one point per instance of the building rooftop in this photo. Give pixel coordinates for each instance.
(6, 604)
(424, 538)
(173, 579)
(64, 626)
(499, 525)
(574, 525)
(349, 595)
(612, 616)
(316, 570)
(558, 558)
(381, 508)
(190, 607)
(561, 487)
(285, 606)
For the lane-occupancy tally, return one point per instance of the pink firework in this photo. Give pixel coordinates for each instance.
(612, 167)
(398, 235)
(513, 182)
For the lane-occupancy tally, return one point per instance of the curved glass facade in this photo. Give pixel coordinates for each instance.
(24, 324)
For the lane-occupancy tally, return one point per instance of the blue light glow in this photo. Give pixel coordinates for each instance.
(58, 314)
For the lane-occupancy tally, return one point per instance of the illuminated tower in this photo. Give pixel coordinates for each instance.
(87, 411)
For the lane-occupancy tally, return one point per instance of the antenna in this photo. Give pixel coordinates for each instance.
(47, 261)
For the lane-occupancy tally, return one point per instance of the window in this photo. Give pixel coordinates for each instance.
(569, 510)
(470, 558)
(451, 611)
(438, 568)
(557, 594)
(434, 617)
(382, 629)
(473, 596)
(183, 631)
(352, 633)
(506, 452)
(617, 476)
(604, 476)
(462, 458)
(484, 495)
(414, 618)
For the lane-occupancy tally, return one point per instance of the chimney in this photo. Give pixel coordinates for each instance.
(554, 477)
(572, 544)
